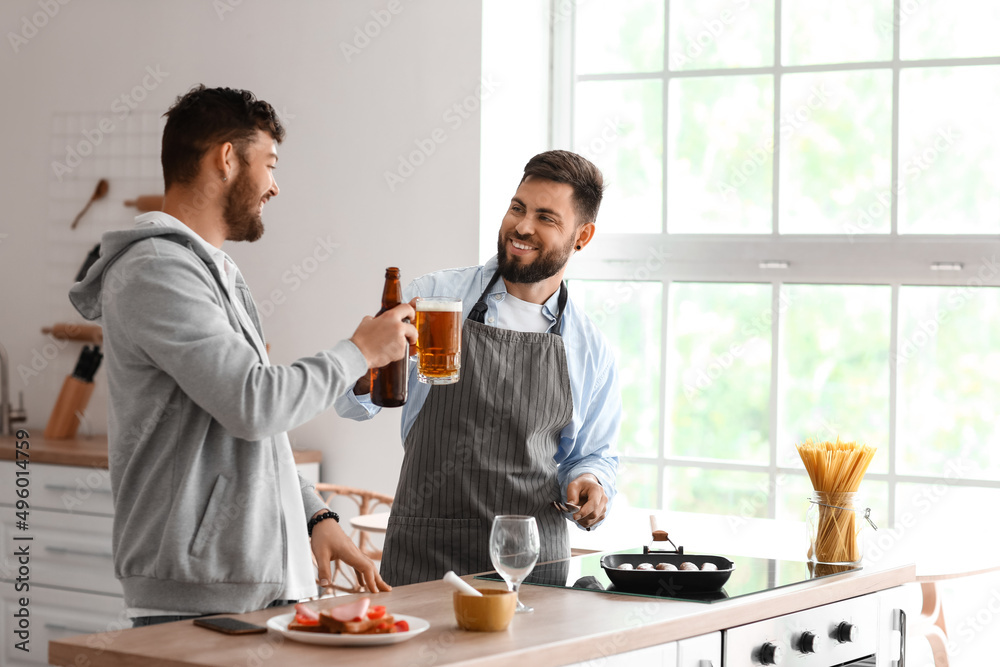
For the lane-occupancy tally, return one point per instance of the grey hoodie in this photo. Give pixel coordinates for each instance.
(192, 417)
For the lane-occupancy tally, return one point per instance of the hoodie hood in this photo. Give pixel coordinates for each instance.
(86, 294)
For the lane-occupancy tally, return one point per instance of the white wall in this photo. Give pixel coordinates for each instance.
(347, 122)
(515, 115)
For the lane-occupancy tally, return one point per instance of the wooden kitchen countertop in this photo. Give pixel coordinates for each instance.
(566, 626)
(93, 452)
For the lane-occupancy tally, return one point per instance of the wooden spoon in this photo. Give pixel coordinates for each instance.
(99, 193)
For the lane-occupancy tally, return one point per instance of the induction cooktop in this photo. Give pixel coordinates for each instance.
(750, 575)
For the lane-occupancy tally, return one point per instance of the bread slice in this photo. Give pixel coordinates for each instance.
(386, 627)
(307, 628)
(367, 626)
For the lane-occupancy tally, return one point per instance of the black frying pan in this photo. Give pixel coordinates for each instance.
(669, 582)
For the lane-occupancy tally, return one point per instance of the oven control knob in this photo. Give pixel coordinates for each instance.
(847, 632)
(808, 643)
(771, 654)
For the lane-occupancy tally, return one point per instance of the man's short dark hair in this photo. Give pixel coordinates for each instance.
(575, 170)
(208, 117)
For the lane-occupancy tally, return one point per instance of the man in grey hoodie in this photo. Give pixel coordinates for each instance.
(210, 515)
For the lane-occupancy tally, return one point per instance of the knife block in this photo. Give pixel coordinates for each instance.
(73, 400)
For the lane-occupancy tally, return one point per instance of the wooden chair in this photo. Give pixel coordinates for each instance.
(343, 577)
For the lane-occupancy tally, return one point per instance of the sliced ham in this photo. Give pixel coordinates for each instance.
(306, 612)
(351, 611)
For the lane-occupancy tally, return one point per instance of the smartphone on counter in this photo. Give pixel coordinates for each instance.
(229, 626)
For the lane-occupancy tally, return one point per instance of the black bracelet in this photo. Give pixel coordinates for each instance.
(329, 514)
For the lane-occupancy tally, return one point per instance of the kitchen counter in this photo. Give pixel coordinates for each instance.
(93, 452)
(567, 626)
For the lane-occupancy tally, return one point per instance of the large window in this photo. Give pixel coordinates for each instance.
(799, 240)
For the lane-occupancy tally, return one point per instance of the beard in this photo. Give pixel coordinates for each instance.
(545, 266)
(241, 211)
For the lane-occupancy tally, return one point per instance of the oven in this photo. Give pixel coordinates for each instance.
(868, 630)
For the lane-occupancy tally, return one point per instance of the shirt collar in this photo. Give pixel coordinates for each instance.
(550, 308)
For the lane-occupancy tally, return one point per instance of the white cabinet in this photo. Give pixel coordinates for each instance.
(664, 655)
(73, 489)
(54, 614)
(72, 582)
(65, 551)
(702, 651)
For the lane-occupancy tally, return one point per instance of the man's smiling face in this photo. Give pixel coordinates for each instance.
(253, 185)
(538, 231)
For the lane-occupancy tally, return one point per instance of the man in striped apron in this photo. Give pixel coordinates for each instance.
(536, 413)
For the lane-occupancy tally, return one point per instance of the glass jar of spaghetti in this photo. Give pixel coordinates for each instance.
(835, 521)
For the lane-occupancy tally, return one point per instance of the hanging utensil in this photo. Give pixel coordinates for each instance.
(99, 193)
(146, 203)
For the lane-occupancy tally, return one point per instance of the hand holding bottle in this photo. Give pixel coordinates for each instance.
(387, 337)
(389, 381)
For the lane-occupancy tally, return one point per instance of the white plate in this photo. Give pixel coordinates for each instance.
(280, 624)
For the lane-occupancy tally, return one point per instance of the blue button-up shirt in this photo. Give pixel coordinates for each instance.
(587, 443)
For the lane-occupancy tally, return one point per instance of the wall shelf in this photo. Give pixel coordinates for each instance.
(86, 333)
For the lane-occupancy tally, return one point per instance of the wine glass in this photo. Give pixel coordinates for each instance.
(514, 548)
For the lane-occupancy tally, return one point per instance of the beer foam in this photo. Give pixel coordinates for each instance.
(430, 305)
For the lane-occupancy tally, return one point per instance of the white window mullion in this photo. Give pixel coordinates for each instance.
(775, 415)
(665, 101)
(795, 69)
(893, 402)
(776, 286)
(894, 151)
(562, 76)
(666, 404)
(776, 128)
(866, 259)
(894, 231)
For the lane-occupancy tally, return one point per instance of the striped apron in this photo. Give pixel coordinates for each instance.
(483, 446)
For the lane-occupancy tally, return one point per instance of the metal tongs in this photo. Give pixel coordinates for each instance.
(565, 506)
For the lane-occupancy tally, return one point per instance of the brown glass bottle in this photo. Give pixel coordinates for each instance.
(389, 381)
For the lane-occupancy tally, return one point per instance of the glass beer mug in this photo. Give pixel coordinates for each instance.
(439, 339)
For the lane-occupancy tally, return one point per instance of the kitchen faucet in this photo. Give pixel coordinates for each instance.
(8, 413)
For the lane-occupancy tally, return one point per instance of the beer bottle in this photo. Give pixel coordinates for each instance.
(389, 381)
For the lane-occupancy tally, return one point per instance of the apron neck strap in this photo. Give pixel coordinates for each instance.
(478, 312)
(563, 298)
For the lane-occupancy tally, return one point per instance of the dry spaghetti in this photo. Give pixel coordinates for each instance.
(836, 470)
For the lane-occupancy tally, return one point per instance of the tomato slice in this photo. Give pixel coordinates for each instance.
(376, 611)
(305, 620)
(402, 626)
